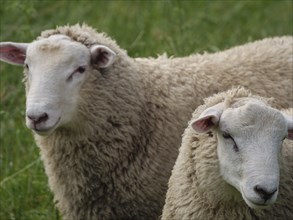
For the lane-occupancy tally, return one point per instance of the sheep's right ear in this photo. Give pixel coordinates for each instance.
(289, 119)
(208, 119)
(13, 53)
(102, 56)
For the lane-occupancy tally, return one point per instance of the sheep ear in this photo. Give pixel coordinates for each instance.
(208, 119)
(289, 119)
(13, 53)
(102, 56)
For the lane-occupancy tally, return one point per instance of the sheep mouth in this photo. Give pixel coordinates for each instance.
(45, 131)
(256, 205)
(260, 205)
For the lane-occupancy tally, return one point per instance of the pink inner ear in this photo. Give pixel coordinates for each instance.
(203, 125)
(103, 57)
(12, 54)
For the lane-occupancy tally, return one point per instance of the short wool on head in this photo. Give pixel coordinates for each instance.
(232, 163)
(109, 126)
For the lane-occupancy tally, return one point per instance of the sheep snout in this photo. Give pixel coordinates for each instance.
(36, 119)
(261, 197)
(264, 192)
(42, 122)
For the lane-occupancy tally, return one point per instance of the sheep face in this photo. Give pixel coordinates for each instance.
(55, 70)
(249, 141)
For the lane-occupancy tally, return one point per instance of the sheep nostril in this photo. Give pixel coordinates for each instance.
(38, 118)
(264, 193)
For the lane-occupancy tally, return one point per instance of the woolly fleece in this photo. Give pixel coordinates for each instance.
(196, 188)
(113, 161)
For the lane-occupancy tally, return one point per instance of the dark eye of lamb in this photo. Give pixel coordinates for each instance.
(26, 66)
(81, 69)
(227, 136)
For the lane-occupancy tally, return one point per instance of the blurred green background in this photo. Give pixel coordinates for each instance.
(143, 28)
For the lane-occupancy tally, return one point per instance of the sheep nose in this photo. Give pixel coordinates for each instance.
(264, 193)
(38, 118)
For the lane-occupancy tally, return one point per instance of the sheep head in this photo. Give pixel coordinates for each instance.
(55, 69)
(249, 141)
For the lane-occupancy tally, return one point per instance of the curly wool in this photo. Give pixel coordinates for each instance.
(113, 161)
(196, 188)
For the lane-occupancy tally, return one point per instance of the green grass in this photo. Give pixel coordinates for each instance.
(144, 28)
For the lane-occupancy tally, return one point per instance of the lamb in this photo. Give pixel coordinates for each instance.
(228, 165)
(109, 126)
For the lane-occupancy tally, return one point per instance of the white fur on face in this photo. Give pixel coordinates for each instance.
(249, 144)
(56, 69)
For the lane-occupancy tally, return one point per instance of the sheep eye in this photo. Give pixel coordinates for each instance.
(80, 69)
(26, 66)
(227, 136)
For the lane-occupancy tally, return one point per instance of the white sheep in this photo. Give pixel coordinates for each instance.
(230, 161)
(109, 126)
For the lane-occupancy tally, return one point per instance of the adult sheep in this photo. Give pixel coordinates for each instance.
(229, 168)
(109, 126)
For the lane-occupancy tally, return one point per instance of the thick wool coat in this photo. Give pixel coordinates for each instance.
(113, 161)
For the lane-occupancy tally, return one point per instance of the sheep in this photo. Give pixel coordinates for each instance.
(228, 165)
(108, 125)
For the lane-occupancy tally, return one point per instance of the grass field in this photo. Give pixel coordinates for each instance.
(144, 28)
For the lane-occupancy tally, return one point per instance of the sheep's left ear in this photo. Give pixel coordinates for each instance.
(208, 119)
(102, 56)
(13, 53)
(289, 119)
